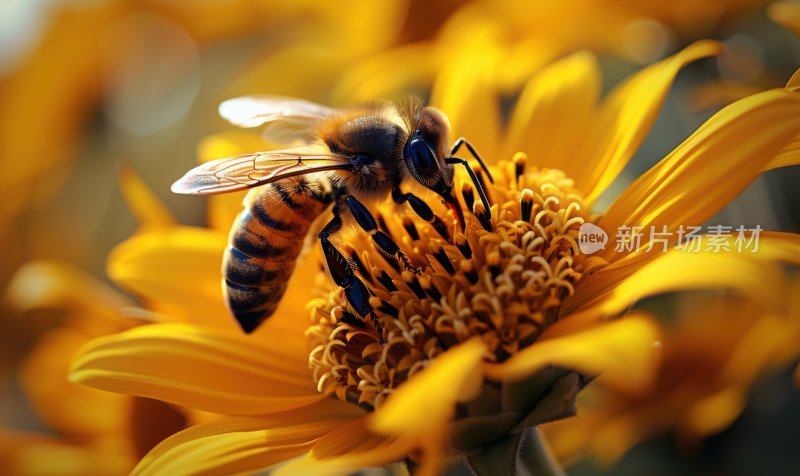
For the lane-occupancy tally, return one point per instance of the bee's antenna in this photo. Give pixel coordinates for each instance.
(475, 181)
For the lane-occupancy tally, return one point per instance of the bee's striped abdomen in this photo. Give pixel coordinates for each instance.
(264, 244)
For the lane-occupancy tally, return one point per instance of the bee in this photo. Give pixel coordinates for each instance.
(351, 158)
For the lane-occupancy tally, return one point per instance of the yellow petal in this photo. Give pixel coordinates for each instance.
(710, 168)
(234, 445)
(789, 155)
(145, 265)
(346, 449)
(626, 117)
(786, 13)
(427, 400)
(178, 268)
(715, 94)
(794, 82)
(702, 270)
(780, 246)
(463, 90)
(622, 351)
(148, 209)
(754, 279)
(411, 66)
(71, 409)
(217, 371)
(553, 113)
(25, 454)
(94, 306)
(715, 412)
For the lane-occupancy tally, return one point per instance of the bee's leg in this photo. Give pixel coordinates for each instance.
(384, 242)
(422, 210)
(354, 289)
(463, 141)
(481, 192)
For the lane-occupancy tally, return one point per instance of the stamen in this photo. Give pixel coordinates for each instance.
(387, 282)
(427, 285)
(526, 204)
(468, 269)
(350, 319)
(411, 229)
(463, 246)
(413, 284)
(480, 213)
(468, 193)
(493, 261)
(505, 285)
(519, 161)
(383, 306)
(440, 228)
(441, 257)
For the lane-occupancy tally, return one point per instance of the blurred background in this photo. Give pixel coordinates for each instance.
(95, 92)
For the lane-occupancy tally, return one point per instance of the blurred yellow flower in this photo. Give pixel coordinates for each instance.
(786, 13)
(91, 432)
(712, 354)
(96, 55)
(94, 432)
(469, 354)
(513, 39)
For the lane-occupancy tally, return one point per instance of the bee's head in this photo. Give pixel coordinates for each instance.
(425, 155)
(425, 150)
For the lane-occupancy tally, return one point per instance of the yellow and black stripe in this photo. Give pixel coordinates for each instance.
(264, 244)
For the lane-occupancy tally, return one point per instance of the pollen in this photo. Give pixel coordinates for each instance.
(503, 279)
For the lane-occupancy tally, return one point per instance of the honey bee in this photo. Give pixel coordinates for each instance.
(351, 159)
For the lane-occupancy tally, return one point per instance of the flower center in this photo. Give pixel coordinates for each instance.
(503, 279)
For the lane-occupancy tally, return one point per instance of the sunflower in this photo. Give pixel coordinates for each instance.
(503, 326)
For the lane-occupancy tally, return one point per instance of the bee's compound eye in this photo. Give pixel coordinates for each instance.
(421, 158)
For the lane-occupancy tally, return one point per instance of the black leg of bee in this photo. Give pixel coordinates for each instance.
(354, 289)
(384, 242)
(475, 182)
(463, 141)
(422, 210)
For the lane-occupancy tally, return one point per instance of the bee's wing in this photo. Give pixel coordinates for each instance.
(250, 170)
(287, 119)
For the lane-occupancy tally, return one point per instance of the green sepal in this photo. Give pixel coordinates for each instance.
(558, 403)
(498, 459)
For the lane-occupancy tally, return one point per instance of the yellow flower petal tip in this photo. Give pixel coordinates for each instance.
(624, 352)
(145, 205)
(794, 82)
(427, 401)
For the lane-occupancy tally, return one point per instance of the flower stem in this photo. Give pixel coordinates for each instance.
(537, 456)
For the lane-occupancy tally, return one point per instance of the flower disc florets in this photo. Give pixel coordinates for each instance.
(503, 279)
